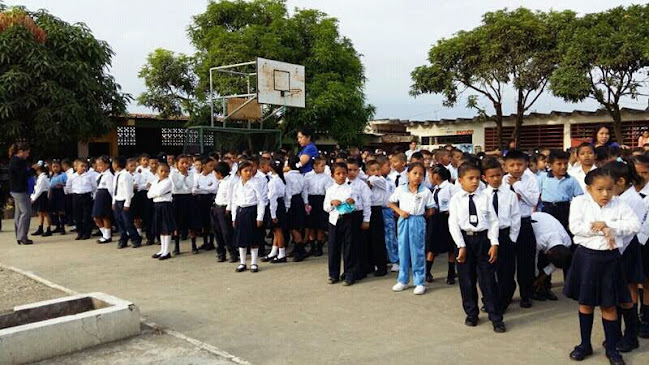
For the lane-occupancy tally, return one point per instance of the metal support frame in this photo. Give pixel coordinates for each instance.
(228, 69)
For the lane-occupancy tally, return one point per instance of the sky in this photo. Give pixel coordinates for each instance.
(393, 36)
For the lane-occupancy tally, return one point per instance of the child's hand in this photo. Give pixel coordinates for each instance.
(350, 201)
(493, 254)
(403, 214)
(260, 224)
(113, 206)
(234, 224)
(365, 226)
(610, 239)
(598, 226)
(126, 209)
(336, 203)
(461, 255)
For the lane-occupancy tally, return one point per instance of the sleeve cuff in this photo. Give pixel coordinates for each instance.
(494, 242)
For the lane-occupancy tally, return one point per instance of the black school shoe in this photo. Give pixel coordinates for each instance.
(220, 258)
(471, 321)
(121, 245)
(156, 256)
(580, 352)
(615, 359)
(104, 240)
(526, 303)
(165, 257)
(539, 296)
(379, 273)
(136, 244)
(429, 278)
(499, 327)
(241, 268)
(332, 281)
(47, 233)
(450, 280)
(643, 330)
(279, 261)
(627, 344)
(549, 295)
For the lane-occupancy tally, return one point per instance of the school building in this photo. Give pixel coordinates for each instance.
(555, 129)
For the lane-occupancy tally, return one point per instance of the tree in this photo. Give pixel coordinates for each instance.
(605, 59)
(238, 31)
(55, 89)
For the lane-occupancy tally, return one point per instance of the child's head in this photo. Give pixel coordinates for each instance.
(444, 156)
(182, 164)
(131, 165)
(66, 164)
(40, 168)
(319, 164)
(492, 172)
(516, 163)
(417, 157)
(384, 163)
(602, 135)
(600, 185)
(163, 170)
(208, 165)
(373, 168)
(171, 160)
(222, 170)
(154, 163)
(559, 256)
(439, 174)
(119, 163)
(623, 172)
(353, 168)
(55, 166)
(469, 177)
(586, 154)
(559, 162)
(398, 161)
(103, 163)
(277, 168)
(198, 165)
(81, 166)
(538, 162)
(339, 172)
(457, 157)
(428, 157)
(245, 170)
(144, 160)
(642, 168)
(264, 165)
(416, 173)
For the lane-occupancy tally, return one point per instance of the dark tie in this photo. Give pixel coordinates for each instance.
(267, 178)
(511, 187)
(642, 195)
(496, 201)
(117, 183)
(396, 183)
(99, 180)
(436, 197)
(473, 212)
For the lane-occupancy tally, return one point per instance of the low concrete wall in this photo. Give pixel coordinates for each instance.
(57, 336)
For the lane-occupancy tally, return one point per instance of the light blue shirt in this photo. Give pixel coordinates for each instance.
(554, 190)
(59, 179)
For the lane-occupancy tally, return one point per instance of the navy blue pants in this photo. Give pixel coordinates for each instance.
(505, 269)
(124, 221)
(525, 258)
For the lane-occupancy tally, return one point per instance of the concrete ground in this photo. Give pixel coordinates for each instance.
(288, 314)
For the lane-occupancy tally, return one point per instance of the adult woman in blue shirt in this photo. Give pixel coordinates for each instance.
(308, 152)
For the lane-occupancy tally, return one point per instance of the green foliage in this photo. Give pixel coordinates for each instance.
(237, 31)
(605, 59)
(58, 92)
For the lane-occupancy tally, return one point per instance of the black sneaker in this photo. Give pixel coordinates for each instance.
(471, 321)
(580, 352)
(499, 327)
(429, 278)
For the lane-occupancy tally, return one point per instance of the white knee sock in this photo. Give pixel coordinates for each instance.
(139, 231)
(242, 255)
(282, 252)
(254, 253)
(273, 251)
(165, 242)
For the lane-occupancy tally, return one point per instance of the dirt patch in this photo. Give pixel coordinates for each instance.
(17, 289)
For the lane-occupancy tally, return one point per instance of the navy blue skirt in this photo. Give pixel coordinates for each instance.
(281, 215)
(246, 232)
(204, 202)
(632, 263)
(42, 204)
(138, 204)
(164, 220)
(596, 278)
(317, 218)
(438, 237)
(185, 211)
(57, 200)
(296, 214)
(103, 205)
(645, 259)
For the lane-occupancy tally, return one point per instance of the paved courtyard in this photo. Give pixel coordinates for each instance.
(288, 314)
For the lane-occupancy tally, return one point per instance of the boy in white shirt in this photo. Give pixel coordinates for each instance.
(122, 199)
(380, 193)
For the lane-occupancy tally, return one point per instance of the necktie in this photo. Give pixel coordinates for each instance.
(496, 201)
(117, 183)
(396, 182)
(99, 180)
(436, 197)
(642, 195)
(473, 212)
(267, 178)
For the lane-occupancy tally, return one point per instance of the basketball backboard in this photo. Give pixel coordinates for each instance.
(280, 83)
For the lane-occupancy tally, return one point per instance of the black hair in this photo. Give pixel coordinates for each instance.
(306, 131)
(623, 168)
(597, 173)
(371, 163)
(442, 171)
(640, 159)
(610, 132)
(319, 158)
(164, 165)
(292, 162)
(206, 160)
(66, 161)
(244, 164)
(516, 155)
(456, 150)
(222, 168)
(105, 159)
(354, 161)
(417, 155)
(466, 167)
(585, 144)
(559, 256)
(491, 163)
(382, 159)
(278, 167)
(558, 155)
(413, 165)
(120, 161)
(144, 155)
(339, 165)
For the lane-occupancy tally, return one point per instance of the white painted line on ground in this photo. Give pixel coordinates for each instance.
(202, 345)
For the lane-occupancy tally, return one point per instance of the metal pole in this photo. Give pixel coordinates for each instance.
(211, 101)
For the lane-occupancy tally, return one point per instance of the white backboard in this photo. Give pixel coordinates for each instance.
(280, 83)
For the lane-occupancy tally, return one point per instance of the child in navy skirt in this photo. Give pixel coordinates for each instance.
(184, 202)
(57, 197)
(163, 223)
(41, 202)
(315, 187)
(102, 207)
(596, 276)
(438, 236)
(296, 215)
(248, 209)
(277, 214)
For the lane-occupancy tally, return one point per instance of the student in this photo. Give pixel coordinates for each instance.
(102, 207)
(362, 216)
(122, 198)
(40, 201)
(57, 196)
(163, 223)
(204, 189)
(523, 182)
(378, 259)
(147, 178)
(538, 164)
(183, 201)
(399, 174)
(316, 183)
(438, 237)
(558, 188)
(415, 203)
(343, 234)
(248, 210)
(277, 212)
(139, 195)
(221, 216)
(598, 222)
(82, 187)
(473, 224)
(389, 224)
(553, 251)
(457, 158)
(507, 209)
(261, 180)
(69, 170)
(295, 206)
(641, 164)
(625, 177)
(586, 159)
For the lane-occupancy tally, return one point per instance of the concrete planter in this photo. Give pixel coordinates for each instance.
(38, 331)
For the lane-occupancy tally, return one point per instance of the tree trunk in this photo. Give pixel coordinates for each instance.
(520, 111)
(617, 124)
(499, 125)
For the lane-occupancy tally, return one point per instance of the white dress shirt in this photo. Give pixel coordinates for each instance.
(413, 203)
(42, 186)
(138, 181)
(528, 192)
(224, 192)
(123, 188)
(454, 172)
(248, 195)
(294, 185)
(634, 201)
(340, 192)
(459, 219)
(67, 189)
(160, 191)
(549, 232)
(364, 201)
(261, 180)
(276, 190)
(380, 190)
(105, 181)
(578, 173)
(403, 179)
(316, 184)
(446, 190)
(205, 184)
(509, 215)
(182, 184)
(147, 178)
(616, 214)
(83, 184)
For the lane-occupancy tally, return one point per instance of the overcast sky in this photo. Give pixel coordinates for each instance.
(393, 37)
